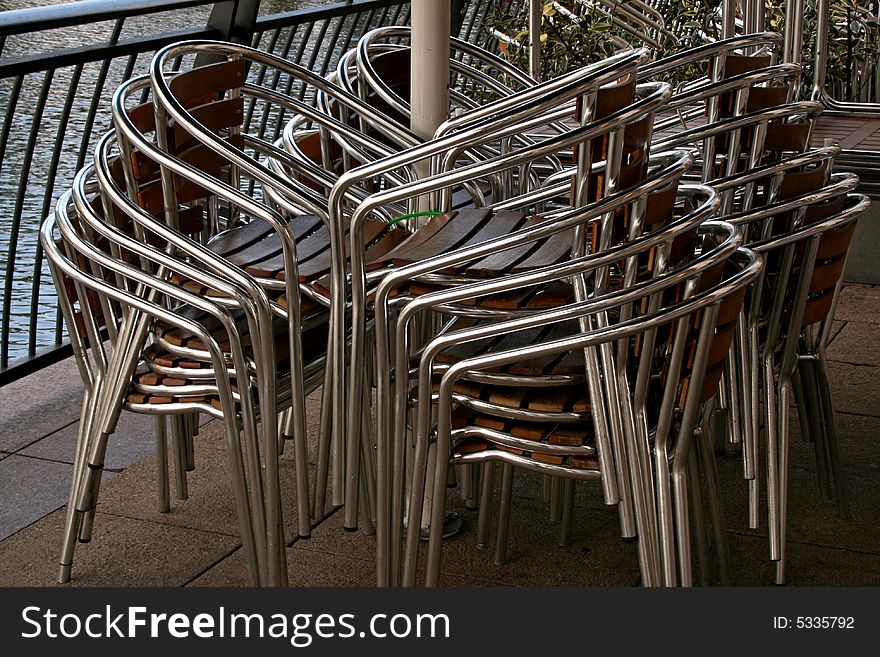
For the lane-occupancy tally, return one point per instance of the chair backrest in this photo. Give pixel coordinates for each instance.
(736, 107)
(805, 242)
(271, 92)
(378, 68)
(85, 252)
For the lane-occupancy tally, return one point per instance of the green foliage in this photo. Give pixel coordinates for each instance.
(575, 33)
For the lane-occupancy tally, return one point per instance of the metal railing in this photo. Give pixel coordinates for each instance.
(60, 64)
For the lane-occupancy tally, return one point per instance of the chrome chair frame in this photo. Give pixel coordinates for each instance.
(387, 291)
(650, 558)
(276, 183)
(461, 174)
(129, 138)
(106, 404)
(778, 357)
(494, 121)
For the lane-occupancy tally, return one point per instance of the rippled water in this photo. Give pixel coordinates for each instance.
(40, 174)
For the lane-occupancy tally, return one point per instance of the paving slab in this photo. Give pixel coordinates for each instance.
(39, 404)
(123, 552)
(596, 556)
(857, 343)
(807, 565)
(210, 506)
(30, 488)
(854, 388)
(859, 450)
(861, 263)
(133, 440)
(860, 303)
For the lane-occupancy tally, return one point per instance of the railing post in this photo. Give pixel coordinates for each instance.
(459, 10)
(235, 19)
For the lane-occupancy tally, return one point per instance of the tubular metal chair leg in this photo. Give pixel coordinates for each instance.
(87, 524)
(368, 465)
(180, 458)
(783, 477)
(284, 420)
(322, 470)
(555, 499)
(721, 427)
(707, 462)
(300, 461)
(484, 520)
(88, 505)
(699, 521)
(797, 389)
(773, 459)
(735, 425)
(677, 499)
(367, 522)
(838, 478)
(71, 529)
(470, 485)
(672, 517)
(73, 517)
(740, 372)
(367, 497)
(751, 363)
(194, 424)
(189, 443)
(162, 465)
(357, 420)
(504, 514)
(414, 513)
(813, 411)
(567, 519)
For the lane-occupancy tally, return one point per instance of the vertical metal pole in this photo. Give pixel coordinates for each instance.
(429, 81)
(753, 16)
(429, 102)
(821, 55)
(235, 20)
(728, 17)
(535, 12)
(794, 31)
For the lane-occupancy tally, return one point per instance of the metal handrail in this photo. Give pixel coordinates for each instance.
(36, 19)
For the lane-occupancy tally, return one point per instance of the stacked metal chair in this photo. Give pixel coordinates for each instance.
(443, 264)
(505, 117)
(291, 184)
(92, 254)
(551, 295)
(804, 229)
(171, 183)
(661, 492)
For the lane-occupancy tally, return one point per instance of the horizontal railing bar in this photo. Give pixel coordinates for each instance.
(30, 364)
(72, 56)
(322, 12)
(36, 19)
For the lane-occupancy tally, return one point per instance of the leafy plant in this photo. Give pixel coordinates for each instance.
(577, 32)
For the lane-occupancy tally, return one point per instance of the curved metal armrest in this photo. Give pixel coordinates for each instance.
(789, 110)
(765, 41)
